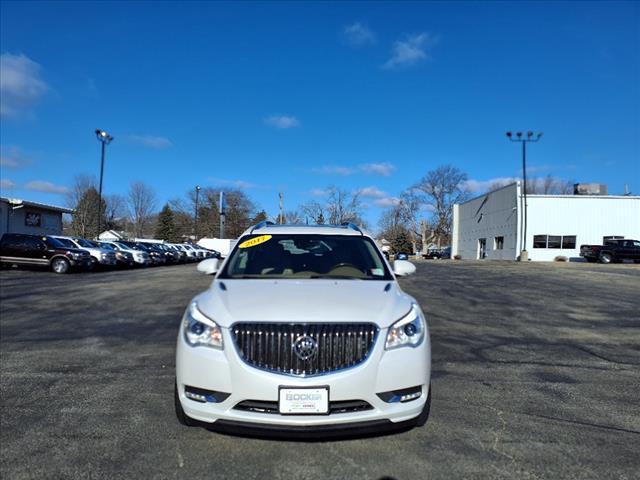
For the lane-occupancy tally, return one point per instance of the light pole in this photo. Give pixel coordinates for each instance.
(195, 222)
(531, 137)
(105, 139)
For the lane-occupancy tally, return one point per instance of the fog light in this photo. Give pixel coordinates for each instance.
(401, 396)
(411, 396)
(204, 396)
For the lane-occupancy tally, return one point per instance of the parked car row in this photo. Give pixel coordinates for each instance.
(437, 253)
(61, 253)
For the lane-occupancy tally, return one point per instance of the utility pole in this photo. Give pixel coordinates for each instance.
(195, 217)
(524, 256)
(222, 214)
(281, 209)
(105, 139)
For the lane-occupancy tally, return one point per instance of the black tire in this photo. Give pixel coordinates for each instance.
(606, 258)
(60, 265)
(181, 416)
(424, 415)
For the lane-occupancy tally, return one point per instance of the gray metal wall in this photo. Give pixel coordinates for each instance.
(14, 220)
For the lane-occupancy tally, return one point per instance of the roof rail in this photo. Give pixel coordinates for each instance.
(352, 226)
(262, 224)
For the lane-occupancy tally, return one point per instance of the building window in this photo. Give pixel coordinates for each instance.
(554, 241)
(539, 241)
(612, 237)
(32, 219)
(498, 243)
(569, 241)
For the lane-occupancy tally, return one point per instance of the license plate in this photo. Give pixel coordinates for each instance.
(304, 401)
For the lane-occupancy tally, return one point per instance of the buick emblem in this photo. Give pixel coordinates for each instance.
(305, 347)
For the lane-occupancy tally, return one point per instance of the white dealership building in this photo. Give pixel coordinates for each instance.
(491, 226)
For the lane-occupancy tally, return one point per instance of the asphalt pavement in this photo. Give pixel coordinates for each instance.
(535, 375)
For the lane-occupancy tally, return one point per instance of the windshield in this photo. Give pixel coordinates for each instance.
(85, 243)
(306, 256)
(107, 246)
(66, 242)
(55, 243)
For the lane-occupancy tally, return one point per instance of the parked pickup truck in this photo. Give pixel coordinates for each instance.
(612, 251)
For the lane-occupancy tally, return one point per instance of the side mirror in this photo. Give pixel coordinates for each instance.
(208, 266)
(403, 268)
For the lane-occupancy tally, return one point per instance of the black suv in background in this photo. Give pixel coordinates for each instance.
(613, 251)
(22, 249)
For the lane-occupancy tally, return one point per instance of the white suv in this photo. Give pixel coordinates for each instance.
(99, 256)
(304, 328)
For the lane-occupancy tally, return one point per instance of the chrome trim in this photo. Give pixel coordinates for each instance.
(327, 371)
(43, 261)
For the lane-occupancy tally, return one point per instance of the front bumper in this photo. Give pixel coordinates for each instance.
(108, 261)
(81, 263)
(225, 371)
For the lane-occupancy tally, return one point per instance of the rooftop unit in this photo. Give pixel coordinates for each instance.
(589, 189)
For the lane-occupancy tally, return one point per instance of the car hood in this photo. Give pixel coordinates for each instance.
(304, 301)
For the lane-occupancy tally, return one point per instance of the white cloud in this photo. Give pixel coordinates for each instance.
(334, 170)
(20, 84)
(371, 192)
(479, 186)
(383, 169)
(13, 157)
(318, 192)
(282, 121)
(359, 35)
(6, 184)
(239, 184)
(387, 201)
(150, 141)
(45, 187)
(411, 51)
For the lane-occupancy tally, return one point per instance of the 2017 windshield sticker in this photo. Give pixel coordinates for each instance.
(255, 241)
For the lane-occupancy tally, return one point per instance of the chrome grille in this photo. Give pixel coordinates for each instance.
(270, 346)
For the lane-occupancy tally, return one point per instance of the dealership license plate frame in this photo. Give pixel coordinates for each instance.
(298, 414)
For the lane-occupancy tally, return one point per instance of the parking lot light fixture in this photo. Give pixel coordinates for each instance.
(105, 139)
(523, 222)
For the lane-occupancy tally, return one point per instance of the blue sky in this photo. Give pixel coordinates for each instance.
(294, 97)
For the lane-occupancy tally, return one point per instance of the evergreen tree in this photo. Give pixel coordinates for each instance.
(320, 219)
(401, 242)
(85, 217)
(166, 226)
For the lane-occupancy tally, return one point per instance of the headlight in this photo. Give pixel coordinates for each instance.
(200, 330)
(76, 256)
(408, 331)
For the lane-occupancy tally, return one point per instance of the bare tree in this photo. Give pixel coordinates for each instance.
(315, 212)
(440, 189)
(549, 185)
(402, 220)
(343, 206)
(141, 203)
(116, 211)
(293, 217)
